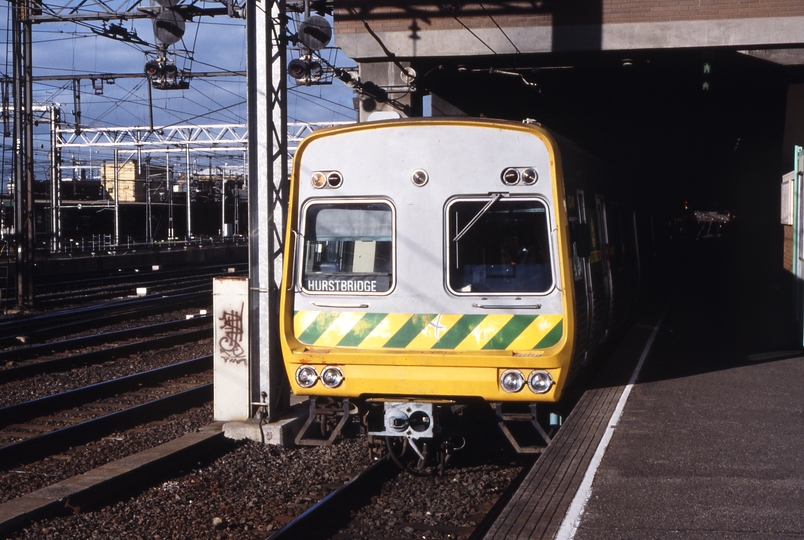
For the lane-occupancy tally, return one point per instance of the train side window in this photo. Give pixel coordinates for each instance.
(614, 234)
(502, 246)
(348, 247)
(579, 234)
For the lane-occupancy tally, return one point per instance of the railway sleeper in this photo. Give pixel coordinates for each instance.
(524, 430)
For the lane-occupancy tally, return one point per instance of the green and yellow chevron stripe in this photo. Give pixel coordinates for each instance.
(420, 332)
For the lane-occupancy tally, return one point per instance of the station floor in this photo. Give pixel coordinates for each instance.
(710, 443)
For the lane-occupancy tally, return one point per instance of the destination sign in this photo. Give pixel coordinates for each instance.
(347, 284)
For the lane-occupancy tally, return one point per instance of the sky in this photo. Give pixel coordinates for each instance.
(209, 44)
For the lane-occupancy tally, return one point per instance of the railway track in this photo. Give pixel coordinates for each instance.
(253, 490)
(324, 519)
(60, 398)
(34, 328)
(384, 501)
(46, 426)
(61, 291)
(63, 430)
(38, 359)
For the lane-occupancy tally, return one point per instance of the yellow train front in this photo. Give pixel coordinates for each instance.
(427, 264)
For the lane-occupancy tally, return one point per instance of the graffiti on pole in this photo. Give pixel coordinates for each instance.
(230, 344)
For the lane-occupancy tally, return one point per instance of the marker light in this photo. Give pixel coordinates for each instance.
(540, 382)
(419, 177)
(332, 377)
(335, 179)
(512, 381)
(529, 176)
(306, 376)
(510, 176)
(319, 180)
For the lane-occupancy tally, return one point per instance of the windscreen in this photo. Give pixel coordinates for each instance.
(502, 246)
(348, 247)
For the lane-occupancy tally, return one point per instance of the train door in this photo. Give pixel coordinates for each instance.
(637, 253)
(619, 279)
(601, 271)
(581, 247)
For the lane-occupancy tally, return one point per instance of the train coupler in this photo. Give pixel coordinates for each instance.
(413, 432)
(410, 419)
(523, 430)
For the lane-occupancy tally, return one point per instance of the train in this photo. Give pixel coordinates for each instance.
(432, 264)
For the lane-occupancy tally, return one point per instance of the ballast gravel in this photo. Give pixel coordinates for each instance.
(254, 489)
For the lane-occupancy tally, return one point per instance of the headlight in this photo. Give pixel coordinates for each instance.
(306, 376)
(512, 381)
(540, 382)
(529, 176)
(330, 179)
(319, 180)
(332, 377)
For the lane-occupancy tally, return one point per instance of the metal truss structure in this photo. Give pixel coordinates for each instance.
(210, 138)
(125, 143)
(206, 138)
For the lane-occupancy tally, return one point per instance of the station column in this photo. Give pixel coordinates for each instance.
(267, 189)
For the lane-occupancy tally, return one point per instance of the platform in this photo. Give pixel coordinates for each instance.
(708, 442)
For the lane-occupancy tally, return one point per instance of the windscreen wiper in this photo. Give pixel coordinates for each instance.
(494, 198)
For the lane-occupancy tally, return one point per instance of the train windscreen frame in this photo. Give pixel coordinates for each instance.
(498, 245)
(348, 247)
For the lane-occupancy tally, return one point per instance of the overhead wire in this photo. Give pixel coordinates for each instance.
(238, 117)
(305, 97)
(211, 82)
(208, 112)
(474, 34)
(233, 117)
(219, 108)
(391, 56)
(500, 29)
(127, 99)
(195, 42)
(100, 32)
(118, 102)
